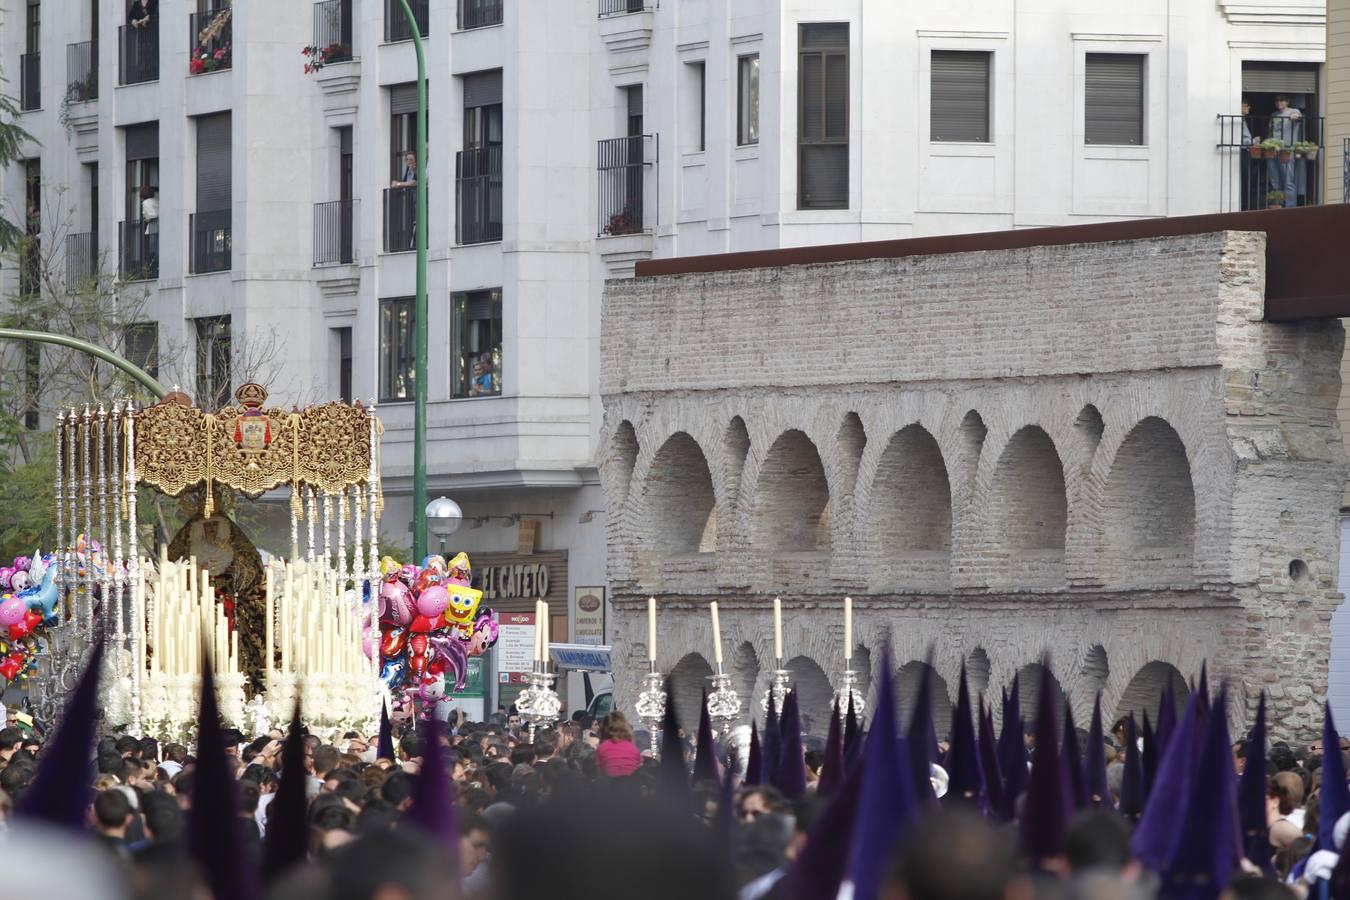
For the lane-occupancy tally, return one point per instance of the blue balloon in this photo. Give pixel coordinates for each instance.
(394, 671)
(42, 597)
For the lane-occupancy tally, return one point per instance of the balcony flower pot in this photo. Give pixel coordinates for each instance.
(1257, 151)
(1275, 200)
(1285, 156)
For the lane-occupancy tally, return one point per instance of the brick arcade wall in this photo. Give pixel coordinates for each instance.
(1097, 450)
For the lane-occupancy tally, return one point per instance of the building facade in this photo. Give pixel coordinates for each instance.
(567, 141)
(1100, 451)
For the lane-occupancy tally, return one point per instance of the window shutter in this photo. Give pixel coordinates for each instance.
(213, 162)
(403, 98)
(959, 96)
(1272, 79)
(1114, 99)
(813, 112)
(142, 141)
(480, 89)
(825, 36)
(824, 175)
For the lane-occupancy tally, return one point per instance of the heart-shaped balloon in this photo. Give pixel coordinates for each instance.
(25, 626)
(11, 667)
(396, 603)
(393, 642)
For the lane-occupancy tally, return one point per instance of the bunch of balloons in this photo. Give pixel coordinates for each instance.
(430, 624)
(27, 608)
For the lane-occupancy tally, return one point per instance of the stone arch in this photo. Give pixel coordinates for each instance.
(688, 681)
(850, 442)
(745, 671)
(911, 514)
(1029, 511)
(1096, 669)
(1145, 691)
(1089, 427)
(1148, 510)
(815, 696)
(792, 498)
(735, 449)
(623, 455)
(907, 681)
(972, 433)
(1029, 694)
(978, 670)
(679, 505)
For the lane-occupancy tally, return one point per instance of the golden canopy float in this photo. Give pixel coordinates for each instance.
(207, 589)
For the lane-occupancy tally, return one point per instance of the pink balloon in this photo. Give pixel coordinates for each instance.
(433, 601)
(396, 602)
(11, 611)
(6, 573)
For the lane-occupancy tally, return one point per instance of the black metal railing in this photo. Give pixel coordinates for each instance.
(1269, 162)
(333, 30)
(479, 13)
(334, 232)
(139, 60)
(478, 195)
(209, 35)
(400, 219)
(396, 26)
(30, 81)
(81, 259)
(138, 250)
(82, 71)
(626, 175)
(210, 233)
(621, 7)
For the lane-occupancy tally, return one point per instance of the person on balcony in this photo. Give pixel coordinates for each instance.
(149, 226)
(409, 177)
(408, 204)
(1286, 124)
(138, 15)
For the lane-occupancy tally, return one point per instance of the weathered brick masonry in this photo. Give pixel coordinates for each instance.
(1098, 450)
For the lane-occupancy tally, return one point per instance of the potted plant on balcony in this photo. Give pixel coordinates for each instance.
(318, 57)
(206, 56)
(1275, 200)
(1273, 147)
(1305, 149)
(626, 222)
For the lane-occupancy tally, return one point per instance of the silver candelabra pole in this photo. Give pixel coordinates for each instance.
(724, 704)
(651, 707)
(778, 690)
(848, 688)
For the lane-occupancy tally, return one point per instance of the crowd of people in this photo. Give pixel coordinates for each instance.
(880, 809)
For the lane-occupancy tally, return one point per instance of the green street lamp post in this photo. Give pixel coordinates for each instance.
(421, 228)
(142, 377)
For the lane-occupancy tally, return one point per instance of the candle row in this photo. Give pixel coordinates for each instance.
(184, 619)
(312, 622)
(717, 631)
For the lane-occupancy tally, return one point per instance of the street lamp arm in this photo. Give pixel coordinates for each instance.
(144, 378)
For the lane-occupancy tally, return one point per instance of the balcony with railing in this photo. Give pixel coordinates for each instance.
(82, 71)
(334, 232)
(400, 219)
(1270, 162)
(209, 36)
(396, 26)
(81, 259)
(478, 195)
(30, 81)
(211, 241)
(139, 58)
(479, 14)
(333, 31)
(626, 175)
(138, 250)
(623, 7)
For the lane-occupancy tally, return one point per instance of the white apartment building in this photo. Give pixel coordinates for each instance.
(569, 139)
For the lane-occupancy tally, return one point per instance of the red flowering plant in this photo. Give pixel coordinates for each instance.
(209, 59)
(318, 57)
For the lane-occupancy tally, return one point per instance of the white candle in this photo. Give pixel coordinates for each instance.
(267, 630)
(778, 630)
(717, 635)
(538, 625)
(544, 639)
(285, 623)
(651, 629)
(848, 629)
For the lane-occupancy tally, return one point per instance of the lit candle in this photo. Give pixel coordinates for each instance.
(778, 630)
(848, 629)
(717, 636)
(651, 629)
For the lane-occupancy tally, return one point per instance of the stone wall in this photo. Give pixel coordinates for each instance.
(1097, 451)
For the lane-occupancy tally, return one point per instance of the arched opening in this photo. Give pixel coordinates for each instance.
(745, 671)
(623, 457)
(815, 696)
(1149, 507)
(1144, 693)
(791, 498)
(688, 681)
(1096, 668)
(1029, 509)
(977, 672)
(1029, 694)
(1089, 427)
(735, 448)
(911, 514)
(680, 509)
(907, 682)
(850, 442)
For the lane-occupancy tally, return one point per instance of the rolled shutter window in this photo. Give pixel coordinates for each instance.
(959, 96)
(1113, 105)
